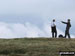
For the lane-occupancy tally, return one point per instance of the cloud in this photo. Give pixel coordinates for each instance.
(18, 30)
(35, 6)
(27, 30)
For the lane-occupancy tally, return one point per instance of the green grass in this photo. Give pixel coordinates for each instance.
(35, 46)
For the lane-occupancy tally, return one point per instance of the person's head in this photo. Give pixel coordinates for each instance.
(53, 20)
(68, 20)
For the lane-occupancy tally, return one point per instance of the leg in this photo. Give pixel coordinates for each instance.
(53, 34)
(68, 35)
(65, 34)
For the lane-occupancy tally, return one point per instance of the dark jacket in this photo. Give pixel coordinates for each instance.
(68, 25)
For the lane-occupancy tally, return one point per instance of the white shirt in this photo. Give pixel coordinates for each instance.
(53, 24)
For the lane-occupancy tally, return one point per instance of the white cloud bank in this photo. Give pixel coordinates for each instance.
(17, 30)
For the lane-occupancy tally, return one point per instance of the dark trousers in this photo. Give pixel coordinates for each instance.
(54, 34)
(67, 33)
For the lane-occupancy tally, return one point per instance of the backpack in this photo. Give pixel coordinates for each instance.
(60, 36)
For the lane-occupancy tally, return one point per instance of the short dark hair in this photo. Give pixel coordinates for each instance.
(53, 19)
(68, 19)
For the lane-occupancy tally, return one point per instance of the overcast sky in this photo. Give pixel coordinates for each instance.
(31, 18)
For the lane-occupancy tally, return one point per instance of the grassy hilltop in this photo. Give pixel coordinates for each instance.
(35, 46)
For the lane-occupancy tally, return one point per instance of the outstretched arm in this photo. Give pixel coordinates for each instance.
(64, 22)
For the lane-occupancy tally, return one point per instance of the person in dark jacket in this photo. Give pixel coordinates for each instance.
(67, 28)
(53, 28)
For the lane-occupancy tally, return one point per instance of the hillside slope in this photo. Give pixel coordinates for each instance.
(35, 46)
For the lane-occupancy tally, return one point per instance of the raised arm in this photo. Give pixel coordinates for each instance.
(64, 22)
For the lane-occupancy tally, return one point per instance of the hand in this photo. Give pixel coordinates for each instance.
(61, 21)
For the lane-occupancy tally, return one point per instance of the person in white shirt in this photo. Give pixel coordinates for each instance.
(53, 28)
